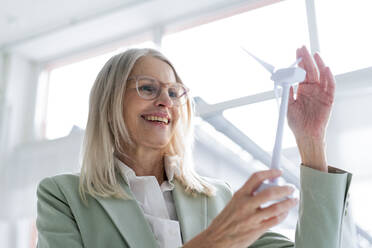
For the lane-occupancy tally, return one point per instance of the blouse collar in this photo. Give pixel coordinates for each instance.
(171, 167)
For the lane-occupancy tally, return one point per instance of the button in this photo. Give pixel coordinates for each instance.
(346, 208)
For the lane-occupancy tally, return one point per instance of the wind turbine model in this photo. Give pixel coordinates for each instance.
(285, 78)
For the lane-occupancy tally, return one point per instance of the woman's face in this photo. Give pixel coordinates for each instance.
(139, 114)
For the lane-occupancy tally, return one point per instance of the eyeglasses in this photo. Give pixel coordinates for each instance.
(149, 88)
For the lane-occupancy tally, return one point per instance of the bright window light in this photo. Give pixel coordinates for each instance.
(259, 121)
(345, 33)
(212, 64)
(68, 97)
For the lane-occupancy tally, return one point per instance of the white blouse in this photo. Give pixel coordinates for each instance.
(157, 202)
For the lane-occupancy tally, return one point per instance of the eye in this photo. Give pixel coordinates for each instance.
(174, 93)
(147, 88)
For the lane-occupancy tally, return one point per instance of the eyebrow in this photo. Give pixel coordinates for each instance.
(151, 77)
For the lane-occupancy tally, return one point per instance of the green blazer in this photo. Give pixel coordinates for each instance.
(64, 221)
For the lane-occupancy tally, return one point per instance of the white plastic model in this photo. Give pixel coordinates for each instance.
(285, 78)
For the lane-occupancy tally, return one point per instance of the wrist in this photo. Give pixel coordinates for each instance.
(199, 241)
(312, 151)
(310, 141)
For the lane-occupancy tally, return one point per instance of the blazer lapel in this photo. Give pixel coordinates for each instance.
(129, 219)
(191, 212)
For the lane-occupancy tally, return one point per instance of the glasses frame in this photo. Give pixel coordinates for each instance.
(162, 85)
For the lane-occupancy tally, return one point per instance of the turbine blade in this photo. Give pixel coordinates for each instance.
(267, 66)
(296, 62)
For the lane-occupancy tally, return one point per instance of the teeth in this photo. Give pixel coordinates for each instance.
(156, 118)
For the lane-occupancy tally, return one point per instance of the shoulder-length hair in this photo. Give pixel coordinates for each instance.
(106, 131)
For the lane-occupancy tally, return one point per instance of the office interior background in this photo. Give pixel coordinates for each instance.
(51, 52)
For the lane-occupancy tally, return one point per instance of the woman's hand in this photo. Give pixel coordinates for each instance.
(309, 113)
(243, 220)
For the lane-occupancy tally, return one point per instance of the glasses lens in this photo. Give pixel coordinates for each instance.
(178, 94)
(147, 88)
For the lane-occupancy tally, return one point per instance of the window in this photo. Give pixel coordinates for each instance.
(344, 33)
(259, 121)
(68, 97)
(213, 65)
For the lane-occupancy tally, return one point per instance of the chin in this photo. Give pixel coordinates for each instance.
(157, 144)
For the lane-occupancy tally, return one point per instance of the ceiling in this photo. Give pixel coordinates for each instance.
(44, 30)
(22, 19)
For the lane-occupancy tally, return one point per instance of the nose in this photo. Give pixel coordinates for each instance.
(164, 99)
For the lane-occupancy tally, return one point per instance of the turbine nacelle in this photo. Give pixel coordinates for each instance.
(290, 76)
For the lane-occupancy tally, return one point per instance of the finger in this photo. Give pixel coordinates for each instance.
(323, 79)
(319, 61)
(271, 194)
(273, 221)
(299, 55)
(322, 71)
(291, 99)
(308, 65)
(257, 179)
(276, 209)
(258, 230)
(301, 64)
(331, 84)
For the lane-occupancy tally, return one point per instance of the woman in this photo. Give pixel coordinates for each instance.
(136, 188)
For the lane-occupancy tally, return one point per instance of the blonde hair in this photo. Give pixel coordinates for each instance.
(106, 131)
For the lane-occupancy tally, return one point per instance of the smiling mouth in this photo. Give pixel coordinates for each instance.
(156, 119)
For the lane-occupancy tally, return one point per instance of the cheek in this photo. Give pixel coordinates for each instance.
(132, 107)
(176, 118)
(128, 116)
